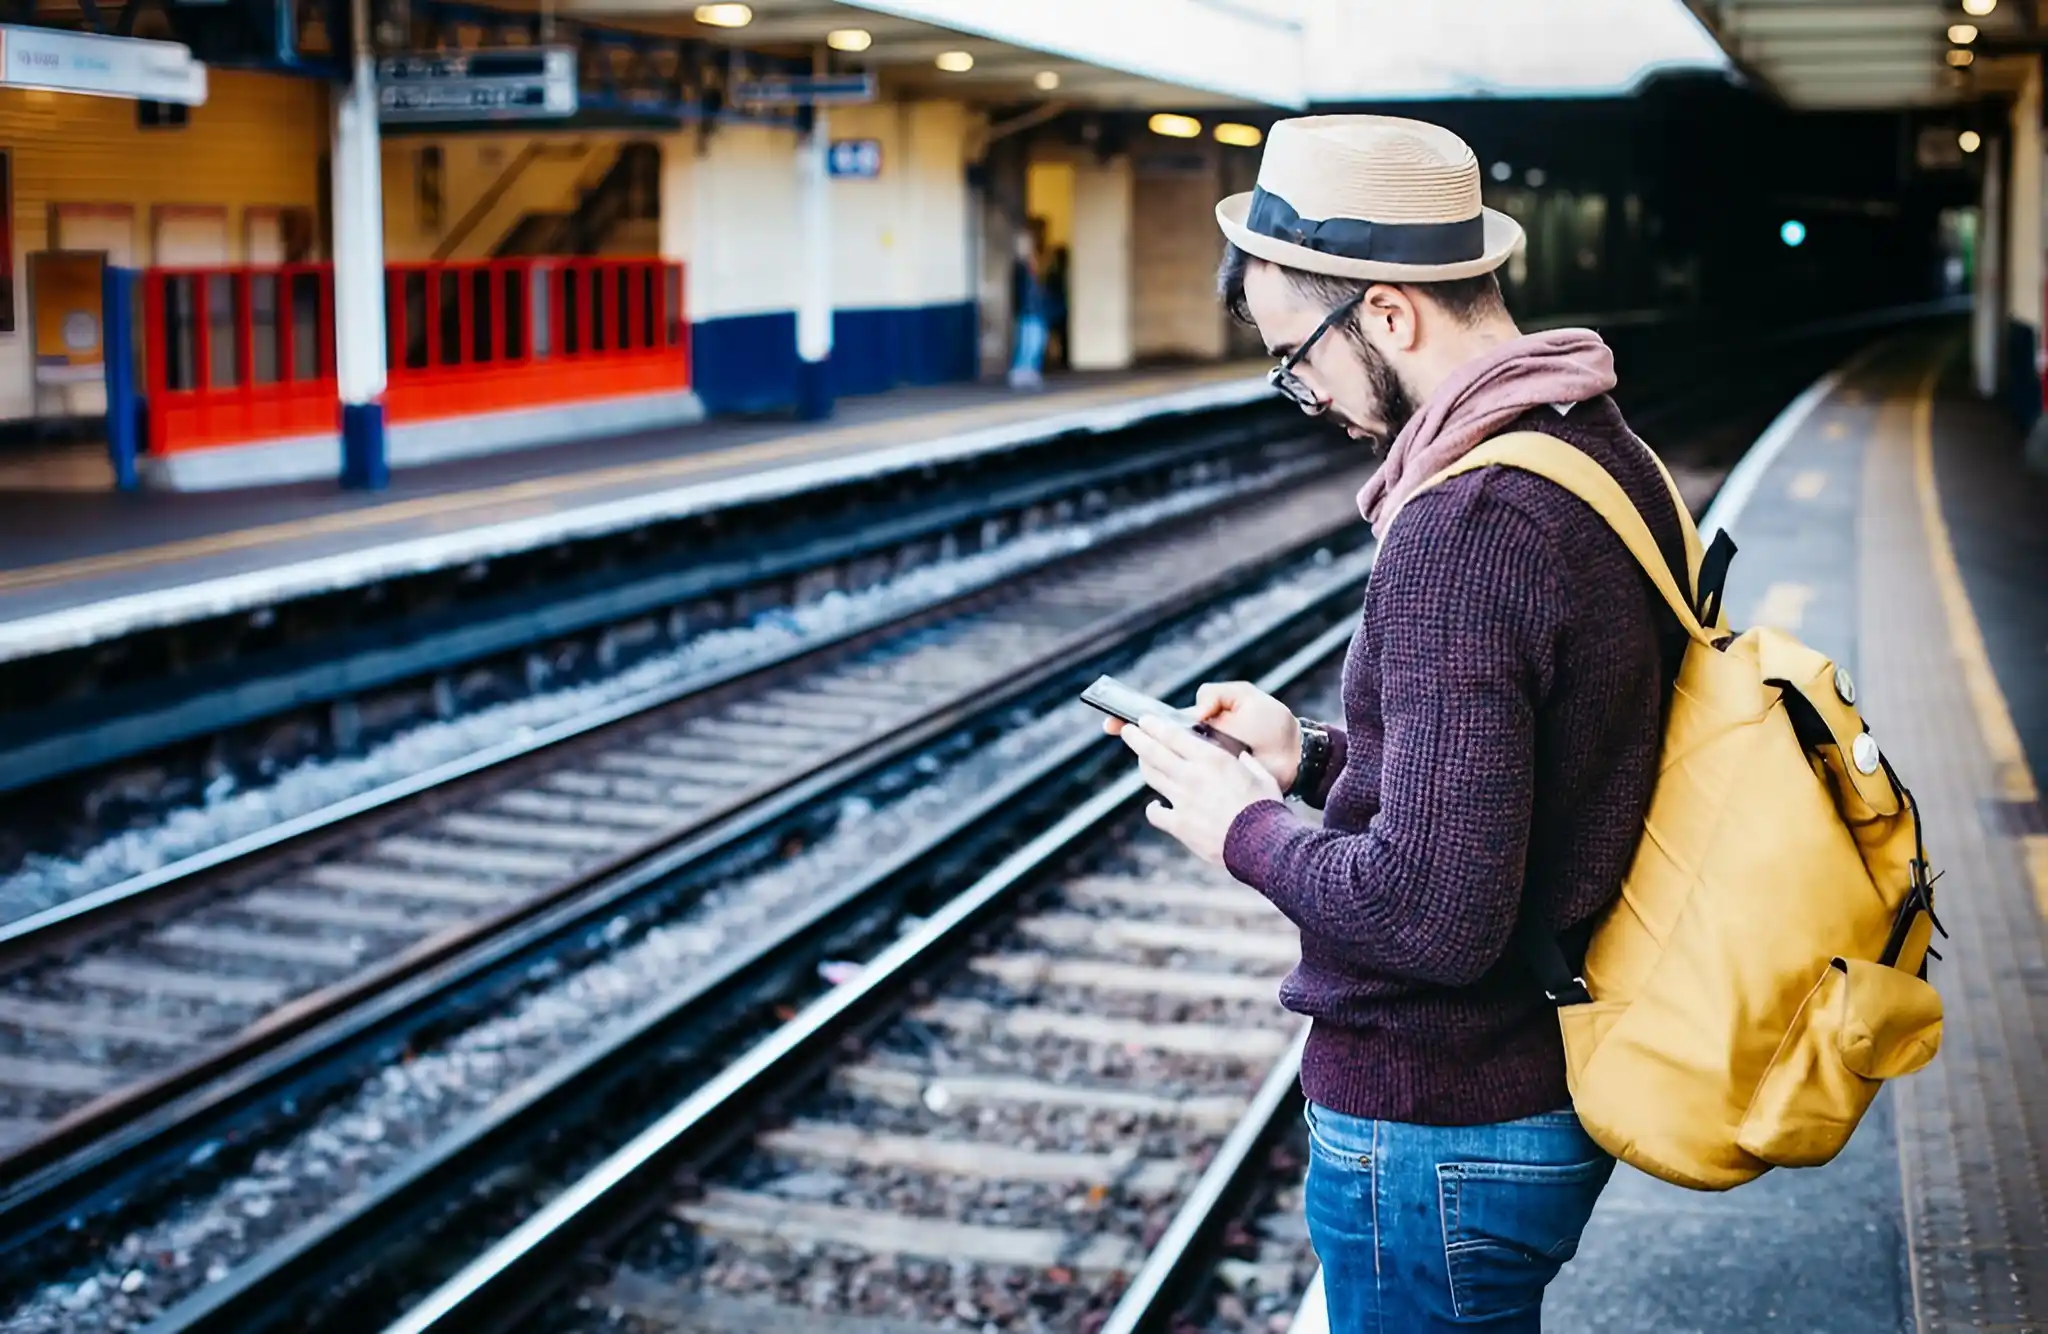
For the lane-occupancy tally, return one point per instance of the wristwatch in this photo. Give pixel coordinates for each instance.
(1315, 758)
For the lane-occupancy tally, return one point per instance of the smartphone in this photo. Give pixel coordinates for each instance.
(1118, 700)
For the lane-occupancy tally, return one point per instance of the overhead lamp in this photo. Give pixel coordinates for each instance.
(1500, 171)
(1536, 176)
(1046, 80)
(1962, 59)
(1174, 127)
(1969, 141)
(1238, 136)
(724, 16)
(955, 62)
(1979, 8)
(1962, 34)
(849, 39)
(1793, 233)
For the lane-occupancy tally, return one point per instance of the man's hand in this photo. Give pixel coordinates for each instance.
(1207, 786)
(1242, 710)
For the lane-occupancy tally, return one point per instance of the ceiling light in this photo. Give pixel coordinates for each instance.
(1501, 171)
(724, 16)
(1961, 59)
(1175, 127)
(849, 39)
(1536, 176)
(1046, 80)
(1969, 141)
(1962, 34)
(955, 62)
(1238, 136)
(1979, 8)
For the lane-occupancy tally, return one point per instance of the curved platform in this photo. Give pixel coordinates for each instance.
(1889, 520)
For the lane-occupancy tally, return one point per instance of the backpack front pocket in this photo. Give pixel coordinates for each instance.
(1862, 1023)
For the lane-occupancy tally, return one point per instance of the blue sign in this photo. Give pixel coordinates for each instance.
(531, 83)
(854, 157)
(806, 89)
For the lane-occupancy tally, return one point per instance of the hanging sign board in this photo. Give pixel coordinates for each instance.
(519, 83)
(65, 286)
(787, 90)
(859, 158)
(82, 62)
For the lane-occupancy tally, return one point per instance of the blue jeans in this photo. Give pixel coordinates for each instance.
(1030, 352)
(1424, 1228)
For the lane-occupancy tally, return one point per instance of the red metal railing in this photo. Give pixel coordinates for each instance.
(245, 354)
(238, 354)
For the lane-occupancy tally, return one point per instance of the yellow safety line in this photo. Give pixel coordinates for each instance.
(766, 451)
(2015, 777)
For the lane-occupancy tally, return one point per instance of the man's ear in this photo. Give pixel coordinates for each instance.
(1391, 316)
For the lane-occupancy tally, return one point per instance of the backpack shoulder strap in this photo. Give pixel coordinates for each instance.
(1577, 472)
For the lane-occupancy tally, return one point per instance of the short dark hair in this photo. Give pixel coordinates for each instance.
(1463, 299)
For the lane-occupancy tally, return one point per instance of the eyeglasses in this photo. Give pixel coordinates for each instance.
(1290, 385)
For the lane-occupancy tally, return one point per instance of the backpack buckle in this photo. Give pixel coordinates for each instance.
(1575, 994)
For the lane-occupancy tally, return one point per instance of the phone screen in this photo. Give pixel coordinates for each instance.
(1118, 700)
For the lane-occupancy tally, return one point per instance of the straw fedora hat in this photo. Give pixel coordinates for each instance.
(1372, 197)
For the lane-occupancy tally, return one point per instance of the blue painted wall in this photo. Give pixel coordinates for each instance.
(745, 363)
(748, 363)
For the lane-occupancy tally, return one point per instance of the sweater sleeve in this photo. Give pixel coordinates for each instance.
(1467, 613)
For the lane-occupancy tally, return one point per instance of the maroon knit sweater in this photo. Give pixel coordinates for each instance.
(1503, 704)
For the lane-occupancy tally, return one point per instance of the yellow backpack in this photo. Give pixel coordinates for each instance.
(1764, 968)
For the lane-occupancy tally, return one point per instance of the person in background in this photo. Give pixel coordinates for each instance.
(1058, 353)
(1027, 302)
(1503, 698)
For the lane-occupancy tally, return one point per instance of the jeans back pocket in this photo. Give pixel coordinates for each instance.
(1509, 1227)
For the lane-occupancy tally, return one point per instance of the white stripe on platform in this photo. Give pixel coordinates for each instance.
(1748, 472)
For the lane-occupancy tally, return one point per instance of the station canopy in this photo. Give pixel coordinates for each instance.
(1849, 54)
(1284, 54)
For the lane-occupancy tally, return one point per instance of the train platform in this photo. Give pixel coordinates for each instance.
(1888, 519)
(78, 567)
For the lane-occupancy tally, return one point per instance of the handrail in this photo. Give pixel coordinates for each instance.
(498, 189)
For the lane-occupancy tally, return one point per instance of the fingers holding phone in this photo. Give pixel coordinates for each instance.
(1267, 727)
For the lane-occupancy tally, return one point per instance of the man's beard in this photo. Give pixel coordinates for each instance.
(1396, 408)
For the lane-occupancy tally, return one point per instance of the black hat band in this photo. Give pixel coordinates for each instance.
(1356, 238)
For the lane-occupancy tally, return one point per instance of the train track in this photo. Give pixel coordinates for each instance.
(886, 696)
(188, 736)
(1034, 1113)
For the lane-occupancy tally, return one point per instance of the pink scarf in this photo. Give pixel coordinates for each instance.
(1480, 397)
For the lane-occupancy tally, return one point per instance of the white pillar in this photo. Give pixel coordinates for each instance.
(2023, 232)
(1099, 271)
(359, 269)
(1987, 319)
(814, 302)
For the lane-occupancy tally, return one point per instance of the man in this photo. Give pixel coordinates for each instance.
(1503, 701)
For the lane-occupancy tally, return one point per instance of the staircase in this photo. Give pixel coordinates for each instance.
(542, 170)
(618, 215)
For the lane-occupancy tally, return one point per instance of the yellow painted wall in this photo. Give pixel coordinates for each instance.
(1049, 194)
(258, 142)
